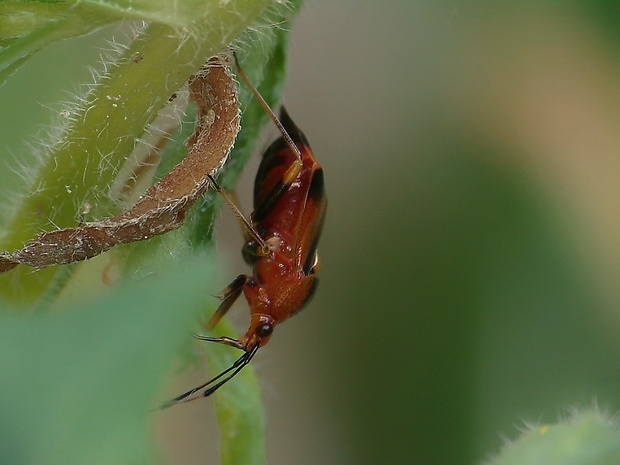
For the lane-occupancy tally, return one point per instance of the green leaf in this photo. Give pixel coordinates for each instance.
(589, 438)
(105, 127)
(239, 407)
(27, 27)
(78, 385)
(82, 382)
(265, 63)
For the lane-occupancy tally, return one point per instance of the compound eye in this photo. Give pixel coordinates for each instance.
(264, 330)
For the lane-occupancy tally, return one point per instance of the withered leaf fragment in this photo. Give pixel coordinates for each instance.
(165, 205)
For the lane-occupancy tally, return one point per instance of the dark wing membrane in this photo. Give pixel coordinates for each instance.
(296, 134)
(274, 164)
(276, 160)
(312, 220)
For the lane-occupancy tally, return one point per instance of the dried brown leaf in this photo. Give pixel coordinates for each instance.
(165, 205)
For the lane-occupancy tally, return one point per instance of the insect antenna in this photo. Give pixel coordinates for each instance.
(208, 390)
(267, 109)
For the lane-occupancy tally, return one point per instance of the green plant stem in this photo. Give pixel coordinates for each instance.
(239, 408)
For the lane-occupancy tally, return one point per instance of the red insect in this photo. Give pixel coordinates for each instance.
(281, 244)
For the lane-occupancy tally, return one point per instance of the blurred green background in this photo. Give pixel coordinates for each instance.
(470, 258)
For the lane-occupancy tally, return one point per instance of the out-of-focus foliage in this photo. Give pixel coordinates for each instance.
(470, 259)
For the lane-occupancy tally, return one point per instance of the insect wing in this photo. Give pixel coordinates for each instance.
(312, 220)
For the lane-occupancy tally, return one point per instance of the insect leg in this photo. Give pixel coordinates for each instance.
(249, 230)
(229, 296)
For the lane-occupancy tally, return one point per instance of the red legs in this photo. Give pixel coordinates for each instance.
(307, 197)
(232, 292)
(234, 289)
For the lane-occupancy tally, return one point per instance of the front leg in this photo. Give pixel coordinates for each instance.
(229, 295)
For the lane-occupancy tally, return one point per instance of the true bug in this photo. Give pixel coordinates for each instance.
(281, 243)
